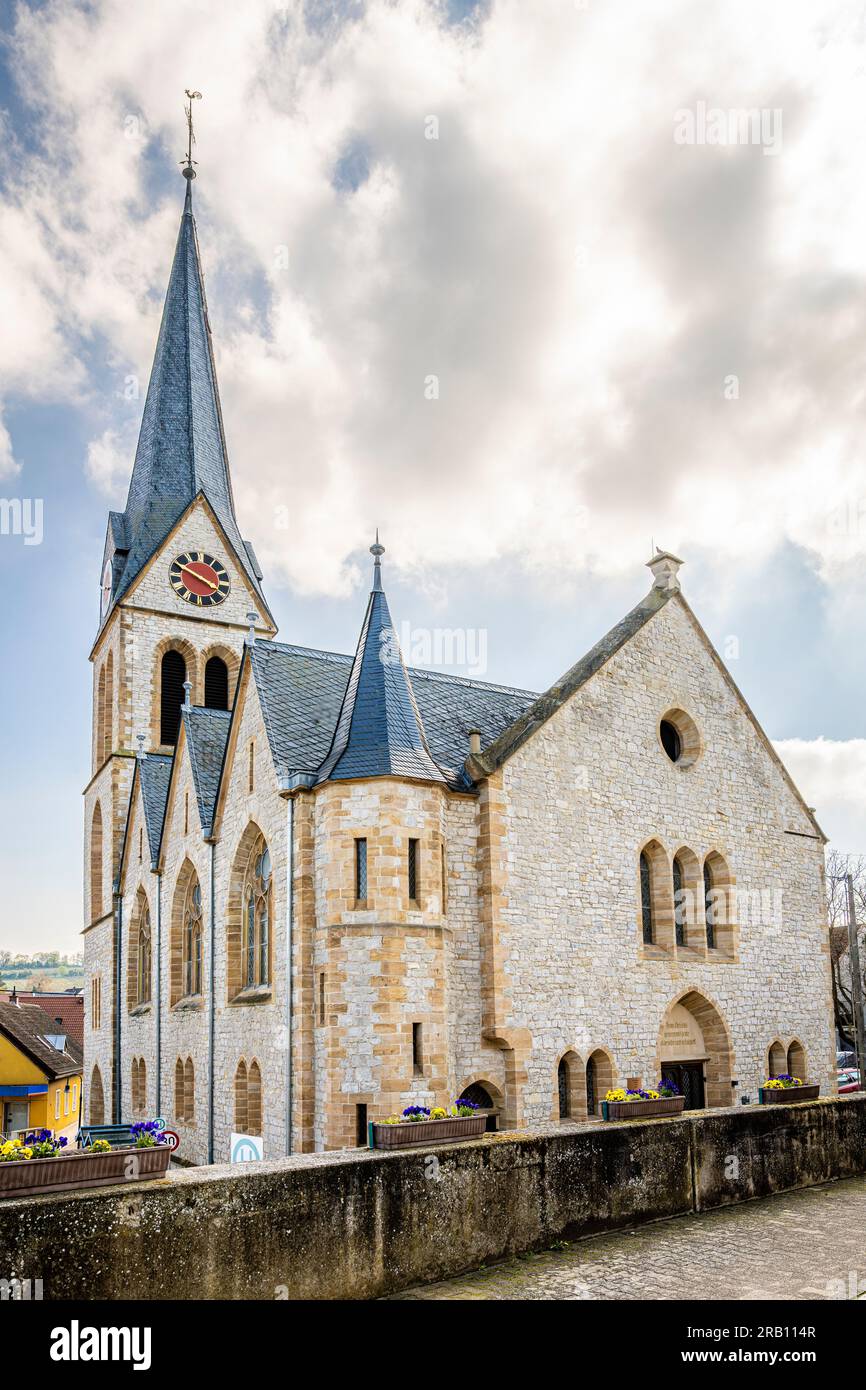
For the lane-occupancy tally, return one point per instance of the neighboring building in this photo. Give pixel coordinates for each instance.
(65, 1008)
(40, 1073)
(468, 887)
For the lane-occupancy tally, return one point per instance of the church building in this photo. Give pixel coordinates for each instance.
(320, 887)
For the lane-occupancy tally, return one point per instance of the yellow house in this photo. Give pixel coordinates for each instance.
(40, 1073)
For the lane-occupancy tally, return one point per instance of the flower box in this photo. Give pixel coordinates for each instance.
(788, 1095)
(82, 1168)
(411, 1133)
(642, 1109)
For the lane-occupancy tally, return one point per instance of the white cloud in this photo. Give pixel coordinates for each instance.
(580, 285)
(831, 775)
(108, 463)
(8, 465)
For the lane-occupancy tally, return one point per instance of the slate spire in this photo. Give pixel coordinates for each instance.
(379, 732)
(181, 446)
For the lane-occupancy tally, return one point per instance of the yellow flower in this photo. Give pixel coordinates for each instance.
(438, 1113)
(618, 1094)
(652, 1095)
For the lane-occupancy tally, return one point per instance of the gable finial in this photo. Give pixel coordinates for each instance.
(139, 738)
(187, 693)
(250, 639)
(377, 551)
(188, 162)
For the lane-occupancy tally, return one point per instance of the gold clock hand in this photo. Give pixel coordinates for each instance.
(201, 577)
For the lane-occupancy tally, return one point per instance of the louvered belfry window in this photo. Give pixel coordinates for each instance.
(216, 684)
(173, 675)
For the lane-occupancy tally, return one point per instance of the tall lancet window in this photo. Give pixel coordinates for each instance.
(172, 677)
(257, 916)
(679, 903)
(646, 900)
(192, 938)
(709, 906)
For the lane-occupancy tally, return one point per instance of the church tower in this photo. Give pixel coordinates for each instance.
(180, 589)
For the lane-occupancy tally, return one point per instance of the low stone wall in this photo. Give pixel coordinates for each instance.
(359, 1225)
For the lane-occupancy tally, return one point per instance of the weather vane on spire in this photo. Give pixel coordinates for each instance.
(188, 161)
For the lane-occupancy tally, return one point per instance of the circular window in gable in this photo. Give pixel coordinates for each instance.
(679, 737)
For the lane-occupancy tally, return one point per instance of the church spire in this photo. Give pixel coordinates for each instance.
(181, 445)
(379, 731)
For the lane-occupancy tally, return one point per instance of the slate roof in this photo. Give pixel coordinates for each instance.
(155, 773)
(26, 1025)
(301, 692)
(379, 730)
(181, 446)
(206, 732)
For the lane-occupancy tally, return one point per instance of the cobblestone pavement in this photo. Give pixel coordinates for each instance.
(803, 1245)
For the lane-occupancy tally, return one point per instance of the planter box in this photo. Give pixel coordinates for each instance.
(788, 1095)
(28, 1176)
(642, 1109)
(415, 1132)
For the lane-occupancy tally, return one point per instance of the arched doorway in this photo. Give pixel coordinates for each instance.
(695, 1051)
(570, 1088)
(599, 1080)
(488, 1099)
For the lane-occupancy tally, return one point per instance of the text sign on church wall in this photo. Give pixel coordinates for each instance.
(681, 1038)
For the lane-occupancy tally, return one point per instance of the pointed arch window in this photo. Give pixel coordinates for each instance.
(143, 955)
(189, 1091)
(216, 683)
(709, 906)
(108, 725)
(97, 1098)
(172, 677)
(191, 939)
(646, 900)
(96, 863)
(257, 894)
(679, 902)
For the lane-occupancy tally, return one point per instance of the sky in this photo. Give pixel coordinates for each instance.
(511, 282)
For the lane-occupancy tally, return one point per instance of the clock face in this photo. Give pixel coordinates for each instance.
(199, 579)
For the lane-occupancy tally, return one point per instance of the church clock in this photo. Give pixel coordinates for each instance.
(200, 579)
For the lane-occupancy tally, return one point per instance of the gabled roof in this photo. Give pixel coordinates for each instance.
(69, 1008)
(26, 1025)
(541, 709)
(379, 730)
(181, 446)
(206, 732)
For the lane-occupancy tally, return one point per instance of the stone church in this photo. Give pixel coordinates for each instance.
(321, 887)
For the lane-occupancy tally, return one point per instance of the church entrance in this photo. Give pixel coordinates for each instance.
(688, 1077)
(695, 1053)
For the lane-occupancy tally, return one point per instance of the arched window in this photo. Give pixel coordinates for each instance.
(179, 1101)
(96, 863)
(100, 716)
(139, 1086)
(191, 938)
(710, 906)
(257, 916)
(777, 1059)
(646, 901)
(679, 903)
(241, 1104)
(172, 677)
(590, 1086)
(254, 1099)
(216, 683)
(140, 953)
(97, 1098)
(563, 1090)
(189, 1092)
(797, 1060)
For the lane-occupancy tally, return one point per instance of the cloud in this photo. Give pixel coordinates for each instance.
(463, 282)
(107, 465)
(8, 465)
(831, 775)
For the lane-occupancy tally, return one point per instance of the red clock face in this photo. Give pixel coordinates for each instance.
(200, 579)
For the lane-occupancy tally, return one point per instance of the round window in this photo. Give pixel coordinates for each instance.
(679, 737)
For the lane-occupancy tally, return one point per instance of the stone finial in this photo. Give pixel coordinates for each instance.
(377, 551)
(187, 692)
(474, 742)
(139, 738)
(664, 567)
(250, 639)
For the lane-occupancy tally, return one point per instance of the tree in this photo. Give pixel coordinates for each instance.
(838, 865)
